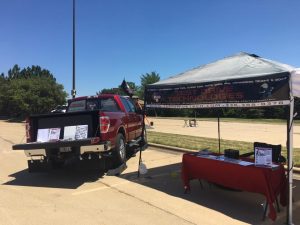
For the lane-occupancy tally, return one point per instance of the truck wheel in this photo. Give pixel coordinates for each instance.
(119, 151)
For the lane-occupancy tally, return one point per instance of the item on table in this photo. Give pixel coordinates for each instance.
(232, 153)
(204, 152)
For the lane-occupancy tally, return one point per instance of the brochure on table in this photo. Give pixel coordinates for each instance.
(263, 156)
(225, 159)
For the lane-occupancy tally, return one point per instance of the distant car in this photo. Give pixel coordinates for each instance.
(59, 109)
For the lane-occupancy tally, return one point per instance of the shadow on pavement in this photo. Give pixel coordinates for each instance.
(242, 206)
(70, 177)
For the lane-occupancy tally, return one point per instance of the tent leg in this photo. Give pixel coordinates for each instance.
(219, 133)
(143, 138)
(290, 164)
(140, 159)
(288, 158)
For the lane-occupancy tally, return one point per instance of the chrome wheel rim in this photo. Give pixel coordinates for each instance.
(122, 150)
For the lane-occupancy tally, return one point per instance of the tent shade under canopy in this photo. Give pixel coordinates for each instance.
(241, 80)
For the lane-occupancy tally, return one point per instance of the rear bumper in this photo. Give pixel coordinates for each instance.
(85, 146)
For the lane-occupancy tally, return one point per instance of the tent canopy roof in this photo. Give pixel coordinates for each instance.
(241, 80)
(238, 66)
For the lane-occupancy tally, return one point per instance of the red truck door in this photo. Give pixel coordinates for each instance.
(137, 119)
(132, 120)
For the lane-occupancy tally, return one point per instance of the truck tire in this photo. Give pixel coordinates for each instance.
(119, 152)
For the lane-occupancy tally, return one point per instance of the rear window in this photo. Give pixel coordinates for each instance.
(108, 105)
(92, 104)
(77, 106)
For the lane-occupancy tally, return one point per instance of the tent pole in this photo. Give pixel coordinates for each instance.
(290, 164)
(288, 155)
(142, 141)
(143, 135)
(219, 132)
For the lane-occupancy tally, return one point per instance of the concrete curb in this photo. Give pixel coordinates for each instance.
(184, 150)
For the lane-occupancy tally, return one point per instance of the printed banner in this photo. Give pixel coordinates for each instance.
(245, 93)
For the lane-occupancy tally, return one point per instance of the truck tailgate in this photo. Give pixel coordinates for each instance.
(57, 144)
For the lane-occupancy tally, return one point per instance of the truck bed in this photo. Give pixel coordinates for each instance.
(61, 120)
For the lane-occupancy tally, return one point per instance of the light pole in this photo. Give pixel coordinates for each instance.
(73, 91)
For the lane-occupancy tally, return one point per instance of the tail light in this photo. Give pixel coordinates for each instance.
(104, 124)
(27, 130)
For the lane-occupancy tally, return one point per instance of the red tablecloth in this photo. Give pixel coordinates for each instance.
(261, 180)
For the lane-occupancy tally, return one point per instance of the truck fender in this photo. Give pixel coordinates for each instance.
(122, 130)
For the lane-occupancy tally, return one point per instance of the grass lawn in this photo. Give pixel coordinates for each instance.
(198, 143)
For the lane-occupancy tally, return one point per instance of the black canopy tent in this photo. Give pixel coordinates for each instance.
(241, 80)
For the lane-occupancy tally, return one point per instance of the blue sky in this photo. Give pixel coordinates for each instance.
(118, 39)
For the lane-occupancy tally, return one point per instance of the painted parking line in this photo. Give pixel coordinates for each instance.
(106, 186)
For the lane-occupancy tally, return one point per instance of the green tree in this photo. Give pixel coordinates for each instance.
(119, 90)
(115, 91)
(31, 90)
(14, 72)
(148, 78)
(3, 90)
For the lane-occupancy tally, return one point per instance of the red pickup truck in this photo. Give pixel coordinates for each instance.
(92, 128)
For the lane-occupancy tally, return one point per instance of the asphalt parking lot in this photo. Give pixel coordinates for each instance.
(74, 195)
